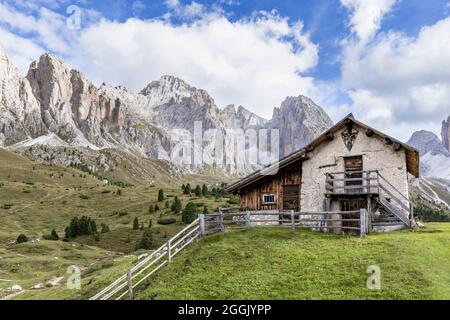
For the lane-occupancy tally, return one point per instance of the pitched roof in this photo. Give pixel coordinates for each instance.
(412, 154)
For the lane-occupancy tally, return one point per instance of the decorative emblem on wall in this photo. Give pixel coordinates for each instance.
(349, 136)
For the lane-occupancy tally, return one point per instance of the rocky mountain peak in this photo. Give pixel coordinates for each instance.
(299, 120)
(172, 90)
(425, 142)
(434, 157)
(445, 132)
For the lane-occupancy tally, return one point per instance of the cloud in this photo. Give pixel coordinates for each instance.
(400, 82)
(137, 7)
(255, 62)
(366, 16)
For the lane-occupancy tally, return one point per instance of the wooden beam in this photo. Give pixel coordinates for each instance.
(396, 146)
(330, 135)
(387, 140)
(309, 148)
(369, 132)
(348, 121)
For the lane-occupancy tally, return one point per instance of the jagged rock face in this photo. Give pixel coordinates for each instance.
(434, 157)
(62, 107)
(446, 133)
(19, 110)
(426, 141)
(299, 120)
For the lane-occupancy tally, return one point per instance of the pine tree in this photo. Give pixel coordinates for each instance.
(136, 223)
(198, 191)
(161, 195)
(156, 207)
(189, 213)
(54, 235)
(187, 189)
(176, 205)
(150, 223)
(151, 209)
(183, 187)
(204, 190)
(147, 241)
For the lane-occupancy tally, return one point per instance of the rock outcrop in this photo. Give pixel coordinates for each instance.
(434, 157)
(445, 132)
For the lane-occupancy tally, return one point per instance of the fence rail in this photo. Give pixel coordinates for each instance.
(125, 284)
(222, 221)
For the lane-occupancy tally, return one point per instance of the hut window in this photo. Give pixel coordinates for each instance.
(268, 198)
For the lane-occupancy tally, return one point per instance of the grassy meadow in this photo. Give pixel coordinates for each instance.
(270, 263)
(36, 198)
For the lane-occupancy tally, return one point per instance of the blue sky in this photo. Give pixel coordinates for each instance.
(387, 61)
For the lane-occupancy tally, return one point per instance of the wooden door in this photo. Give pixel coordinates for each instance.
(353, 170)
(291, 197)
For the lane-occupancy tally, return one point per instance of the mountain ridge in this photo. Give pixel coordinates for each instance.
(55, 99)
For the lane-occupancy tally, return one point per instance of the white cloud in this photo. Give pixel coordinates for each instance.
(366, 16)
(254, 62)
(401, 83)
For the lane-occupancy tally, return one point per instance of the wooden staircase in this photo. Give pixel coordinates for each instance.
(390, 214)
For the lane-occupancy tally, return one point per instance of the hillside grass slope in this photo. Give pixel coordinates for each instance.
(275, 264)
(37, 197)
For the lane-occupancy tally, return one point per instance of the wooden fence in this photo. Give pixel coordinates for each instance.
(124, 285)
(356, 222)
(352, 221)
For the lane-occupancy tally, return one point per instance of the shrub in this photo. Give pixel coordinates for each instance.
(156, 207)
(160, 195)
(166, 221)
(119, 192)
(22, 239)
(147, 241)
(151, 209)
(234, 200)
(167, 204)
(205, 210)
(7, 206)
(84, 197)
(150, 223)
(105, 228)
(189, 213)
(136, 223)
(176, 205)
(122, 213)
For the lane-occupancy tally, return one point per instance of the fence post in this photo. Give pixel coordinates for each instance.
(247, 215)
(363, 222)
(130, 285)
(201, 221)
(292, 221)
(169, 251)
(222, 228)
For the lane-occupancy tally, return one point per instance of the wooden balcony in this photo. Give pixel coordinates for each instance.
(352, 183)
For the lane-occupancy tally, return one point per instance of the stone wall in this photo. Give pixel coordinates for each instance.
(329, 157)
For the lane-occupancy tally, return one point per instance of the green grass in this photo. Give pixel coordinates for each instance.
(274, 264)
(37, 197)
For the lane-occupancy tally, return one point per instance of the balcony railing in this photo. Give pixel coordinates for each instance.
(351, 183)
